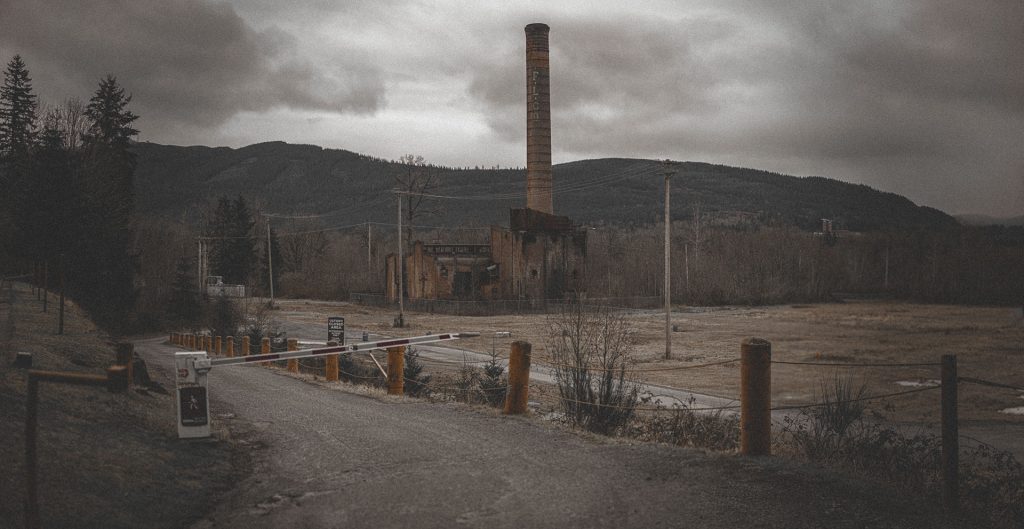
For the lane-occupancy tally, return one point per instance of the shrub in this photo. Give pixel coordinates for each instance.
(591, 350)
(416, 382)
(680, 425)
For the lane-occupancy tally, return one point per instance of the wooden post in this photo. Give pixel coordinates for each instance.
(396, 370)
(331, 365)
(755, 397)
(126, 357)
(60, 310)
(208, 344)
(31, 427)
(293, 363)
(518, 378)
(246, 346)
(217, 345)
(265, 349)
(46, 283)
(950, 436)
(230, 347)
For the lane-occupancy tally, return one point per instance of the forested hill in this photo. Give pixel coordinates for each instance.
(180, 182)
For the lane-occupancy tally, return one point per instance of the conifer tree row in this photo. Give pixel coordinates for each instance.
(69, 202)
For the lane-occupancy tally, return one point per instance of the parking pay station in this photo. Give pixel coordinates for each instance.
(192, 367)
(193, 406)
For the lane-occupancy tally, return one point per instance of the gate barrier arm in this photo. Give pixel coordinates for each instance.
(191, 369)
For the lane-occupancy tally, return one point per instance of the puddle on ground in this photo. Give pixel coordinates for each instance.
(918, 383)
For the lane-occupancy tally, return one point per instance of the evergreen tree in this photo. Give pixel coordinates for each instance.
(184, 305)
(233, 254)
(17, 134)
(17, 111)
(103, 272)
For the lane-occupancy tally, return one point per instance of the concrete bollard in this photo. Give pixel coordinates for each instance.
(331, 365)
(756, 397)
(217, 343)
(265, 349)
(230, 347)
(518, 378)
(396, 370)
(293, 363)
(246, 347)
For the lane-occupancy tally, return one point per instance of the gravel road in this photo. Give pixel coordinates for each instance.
(332, 457)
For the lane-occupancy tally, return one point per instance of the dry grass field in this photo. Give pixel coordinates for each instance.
(988, 342)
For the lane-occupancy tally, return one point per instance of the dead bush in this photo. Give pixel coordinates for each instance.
(591, 350)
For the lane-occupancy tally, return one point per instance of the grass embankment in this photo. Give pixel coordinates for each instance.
(105, 460)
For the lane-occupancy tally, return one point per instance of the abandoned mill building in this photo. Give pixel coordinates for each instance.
(539, 256)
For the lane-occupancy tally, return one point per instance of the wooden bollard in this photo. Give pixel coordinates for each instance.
(950, 436)
(192, 342)
(518, 378)
(230, 347)
(265, 349)
(208, 344)
(331, 365)
(293, 363)
(396, 370)
(246, 347)
(756, 397)
(217, 343)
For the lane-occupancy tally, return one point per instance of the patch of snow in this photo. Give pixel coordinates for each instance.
(1014, 411)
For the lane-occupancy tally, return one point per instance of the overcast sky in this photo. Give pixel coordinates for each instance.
(923, 98)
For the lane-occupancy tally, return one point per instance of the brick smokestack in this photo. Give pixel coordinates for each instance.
(538, 120)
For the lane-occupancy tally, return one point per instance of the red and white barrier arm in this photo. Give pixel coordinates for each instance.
(336, 349)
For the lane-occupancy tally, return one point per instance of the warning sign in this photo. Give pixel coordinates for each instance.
(336, 329)
(192, 403)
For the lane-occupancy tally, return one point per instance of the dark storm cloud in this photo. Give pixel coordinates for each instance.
(187, 63)
(917, 97)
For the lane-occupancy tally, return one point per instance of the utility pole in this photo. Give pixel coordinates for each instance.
(270, 264)
(668, 264)
(60, 318)
(199, 267)
(369, 248)
(400, 322)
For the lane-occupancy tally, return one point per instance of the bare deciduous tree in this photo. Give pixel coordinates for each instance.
(415, 180)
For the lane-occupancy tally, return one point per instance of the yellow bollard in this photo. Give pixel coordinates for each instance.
(396, 370)
(265, 349)
(246, 346)
(231, 347)
(293, 363)
(756, 397)
(518, 378)
(217, 345)
(331, 365)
